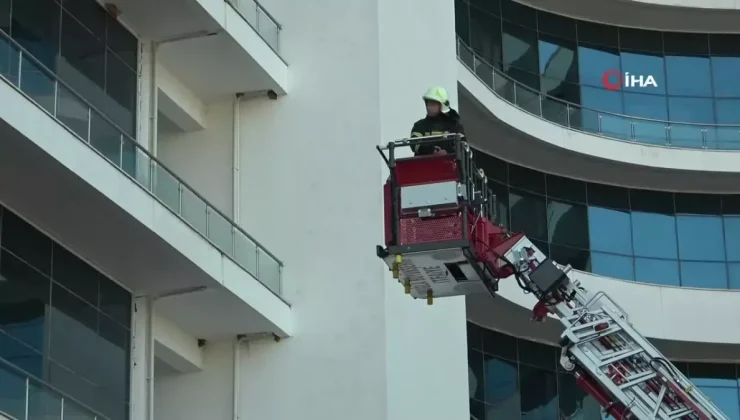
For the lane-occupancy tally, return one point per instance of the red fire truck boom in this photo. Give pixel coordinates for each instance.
(441, 240)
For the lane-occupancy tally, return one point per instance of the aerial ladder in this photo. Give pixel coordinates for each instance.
(441, 239)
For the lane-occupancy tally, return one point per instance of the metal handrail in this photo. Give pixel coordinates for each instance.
(259, 9)
(570, 105)
(54, 390)
(126, 139)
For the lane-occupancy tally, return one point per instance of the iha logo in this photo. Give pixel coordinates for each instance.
(613, 80)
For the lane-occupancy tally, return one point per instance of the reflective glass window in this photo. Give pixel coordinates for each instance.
(640, 40)
(711, 275)
(538, 355)
(495, 169)
(75, 275)
(726, 400)
(691, 110)
(527, 179)
(528, 214)
(475, 337)
(574, 402)
(89, 14)
(732, 237)
(82, 63)
(713, 374)
(686, 43)
(567, 224)
(120, 102)
(122, 42)
(641, 64)
(566, 188)
(688, 76)
(610, 230)
(519, 14)
(688, 203)
(25, 299)
(612, 265)
(700, 238)
(540, 401)
(502, 388)
(578, 258)
(603, 195)
(499, 344)
(485, 33)
(650, 270)
(488, 6)
(602, 100)
(560, 26)
(520, 48)
(558, 59)
(597, 34)
(724, 76)
(462, 21)
(727, 111)
(733, 275)
(654, 235)
(501, 192)
(594, 61)
(35, 25)
(653, 108)
(694, 112)
(652, 201)
(476, 382)
(5, 16)
(25, 242)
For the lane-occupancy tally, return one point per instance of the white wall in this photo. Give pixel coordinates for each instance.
(310, 191)
(203, 159)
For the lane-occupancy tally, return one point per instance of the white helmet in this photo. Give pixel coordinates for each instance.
(438, 94)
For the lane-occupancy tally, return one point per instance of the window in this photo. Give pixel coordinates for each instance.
(462, 21)
(485, 32)
(724, 76)
(25, 242)
(640, 40)
(566, 188)
(528, 214)
(612, 265)
(527, 179)
(560, 26)
(649, 270)
(688, 76)
(475, 373)
(643, 64)
(567, 224)
(502, 388)
(610, 230)
(520, 48)
(25, 301)
(35, 25)
(704, 274)
(558, 59)
(593, 61)
(654, 235)
(540, 401)
(700, 238)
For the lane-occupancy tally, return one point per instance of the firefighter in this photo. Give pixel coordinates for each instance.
(440, 119)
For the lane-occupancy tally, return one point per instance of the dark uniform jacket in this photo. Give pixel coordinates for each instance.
(436, 126)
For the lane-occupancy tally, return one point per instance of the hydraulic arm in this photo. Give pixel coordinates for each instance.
(441, 241)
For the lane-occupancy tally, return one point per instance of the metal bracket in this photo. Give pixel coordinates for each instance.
(425, 213)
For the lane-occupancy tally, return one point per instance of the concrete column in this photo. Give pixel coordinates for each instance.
(140, 359)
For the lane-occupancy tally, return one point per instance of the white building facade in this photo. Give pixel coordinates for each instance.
(190, 202)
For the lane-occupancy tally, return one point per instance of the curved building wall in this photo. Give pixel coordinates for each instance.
(512, 378)
(567, 60)
(674, 239)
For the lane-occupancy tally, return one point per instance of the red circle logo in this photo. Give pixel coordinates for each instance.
(605, 79)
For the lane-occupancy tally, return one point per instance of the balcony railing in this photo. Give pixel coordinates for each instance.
(260, 20)
(39, 84)
(23, 397)
(601, 123)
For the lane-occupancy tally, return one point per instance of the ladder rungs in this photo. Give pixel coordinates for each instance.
(624, 354)
(638, 379)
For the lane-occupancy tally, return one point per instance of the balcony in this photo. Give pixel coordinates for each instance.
(24, 397)
(215, 47)
(161, 235)
(600, 123)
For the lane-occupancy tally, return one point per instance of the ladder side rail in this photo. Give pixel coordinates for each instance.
(582, 306)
